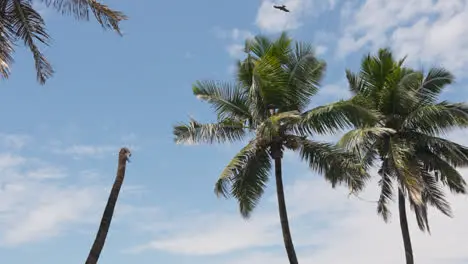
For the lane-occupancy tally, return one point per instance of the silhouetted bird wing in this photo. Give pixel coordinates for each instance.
(282, 8)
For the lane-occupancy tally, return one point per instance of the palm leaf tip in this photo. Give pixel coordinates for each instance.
(108, 18)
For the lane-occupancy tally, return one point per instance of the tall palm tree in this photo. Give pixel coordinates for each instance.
(19, 21)
(274, 86)
(100, 240)
(404, 142)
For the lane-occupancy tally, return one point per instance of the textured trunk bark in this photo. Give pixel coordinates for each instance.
(288, 243)
(106, 219)
(404, 228)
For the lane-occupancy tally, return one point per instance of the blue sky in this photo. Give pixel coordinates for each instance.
(59, 142)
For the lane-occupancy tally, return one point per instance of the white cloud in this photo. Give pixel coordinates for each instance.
(33, 208)
(235, 50)
(320, 50)
(14, 141)
(428, 31)
(272, 20)
(90, 151)
(236, 38)
(324, 220)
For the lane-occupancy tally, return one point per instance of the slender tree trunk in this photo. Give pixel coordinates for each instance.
(288, 243)
(404, 228)
(106, 219)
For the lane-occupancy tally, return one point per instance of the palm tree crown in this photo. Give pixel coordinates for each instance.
(274, 85)
(19, 21)
(405, 138)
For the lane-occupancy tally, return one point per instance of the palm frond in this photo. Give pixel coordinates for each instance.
(386, 191)
(194, 132)
(455, 154)
(363, 137)
(305, 72)
(433, 84)
(443, 171)
(6, 45)
(338, 167)
(228, 100)
(433, 193)
(29, 26)
(108, 18)
(420, 212)
(245, 177)
(437, 118)
(336, 116)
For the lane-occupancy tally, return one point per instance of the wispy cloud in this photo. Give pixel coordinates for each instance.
(14, 141)
(428, 31)
(322, 218)
(271, 20)
(89, 151)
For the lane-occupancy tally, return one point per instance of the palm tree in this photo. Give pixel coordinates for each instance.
(405, 140)
(19, 21)
(274, 85)
(100, 240)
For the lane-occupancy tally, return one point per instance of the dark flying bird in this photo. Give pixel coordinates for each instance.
(282, 8)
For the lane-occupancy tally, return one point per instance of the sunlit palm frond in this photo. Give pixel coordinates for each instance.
(375, 70)
(406, 168)
(245, 177)
(6, 47)
(363, 137)
(195, 132)
(108, 18)
(28, 25)
(305, 72)
(420, 212)
(336, 116)
(228, 100)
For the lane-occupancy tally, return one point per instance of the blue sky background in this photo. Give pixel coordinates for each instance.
(59, 142)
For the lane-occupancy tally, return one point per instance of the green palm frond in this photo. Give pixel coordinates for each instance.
(437, 118)
(356, 84)
(304, 72)
(336, 116)
(195, 132)
(338, 167)
(455, 154)
(433, 193)
(386, 190)
(448, 175)
(80, 9)
(245, 177)
(6, 48)
(28, 25)
(228, 100)
(245, 71)
(363, 137)
(433, 84)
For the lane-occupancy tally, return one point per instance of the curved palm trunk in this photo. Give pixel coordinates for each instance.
(288, 243)
(404, 228)
(106, 219)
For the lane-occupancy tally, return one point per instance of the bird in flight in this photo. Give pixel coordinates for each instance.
(282, 8)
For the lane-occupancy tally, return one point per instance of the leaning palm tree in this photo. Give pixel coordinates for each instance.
(100, 240)
(405, 139)
(267, 103)
(20, 21)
